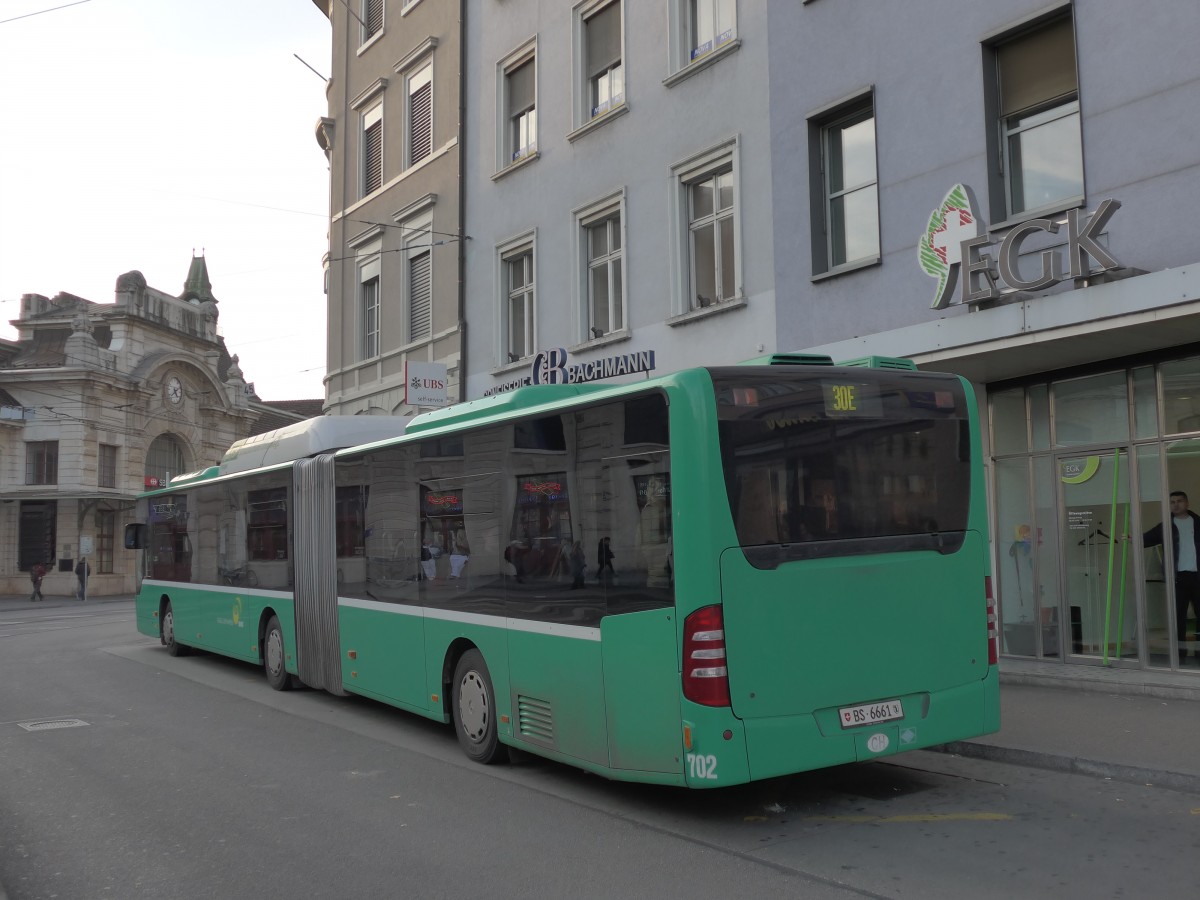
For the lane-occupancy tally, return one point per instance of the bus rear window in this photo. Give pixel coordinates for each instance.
(842, 455)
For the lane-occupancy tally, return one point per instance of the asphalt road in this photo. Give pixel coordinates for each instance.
(189, 777)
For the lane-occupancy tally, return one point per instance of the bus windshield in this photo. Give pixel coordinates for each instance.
(844, 461)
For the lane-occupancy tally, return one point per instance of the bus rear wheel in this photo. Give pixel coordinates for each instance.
(273, 662)
(475, 708)
(167, 633)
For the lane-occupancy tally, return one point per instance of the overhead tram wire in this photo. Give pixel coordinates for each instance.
(44, 11)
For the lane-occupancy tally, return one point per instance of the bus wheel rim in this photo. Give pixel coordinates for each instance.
(274, 652)
(473, 706)
(168, 626)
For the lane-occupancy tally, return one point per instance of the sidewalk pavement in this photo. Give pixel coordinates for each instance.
(1132, 725)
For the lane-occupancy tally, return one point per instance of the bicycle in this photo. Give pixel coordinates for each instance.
(242, 575)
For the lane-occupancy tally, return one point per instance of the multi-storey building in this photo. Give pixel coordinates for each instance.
(99, 402)
(618, 187)
(393, 140)
(1059, 271)
(1001, 190)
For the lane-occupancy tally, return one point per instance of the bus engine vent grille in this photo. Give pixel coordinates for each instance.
(535, 719)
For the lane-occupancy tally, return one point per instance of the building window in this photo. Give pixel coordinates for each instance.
(41, 462)
(372, 149)
(107, 477)
(37, 536)
(602, 251)
(518, 104)
(519, 297)
(709, 254)
(846, 224)
(369, 290)
(106, 530)
(710, 25)
(1038, 147)
(372, 18)
(420, 293)
(601, 74)
(420, 114)
(164, 460)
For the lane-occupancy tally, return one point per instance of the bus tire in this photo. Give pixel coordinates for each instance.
(273, 656)
(475, 708)
(166, 633)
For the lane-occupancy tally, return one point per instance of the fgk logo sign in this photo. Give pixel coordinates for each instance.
(955, 239)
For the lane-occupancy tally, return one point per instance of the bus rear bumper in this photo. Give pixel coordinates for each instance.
(788, 744)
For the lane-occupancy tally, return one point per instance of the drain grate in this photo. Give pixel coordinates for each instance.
(50, 724)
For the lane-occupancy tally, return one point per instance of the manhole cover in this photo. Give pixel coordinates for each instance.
(50, 724)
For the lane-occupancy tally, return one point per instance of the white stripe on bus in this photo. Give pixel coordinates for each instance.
(577, 632)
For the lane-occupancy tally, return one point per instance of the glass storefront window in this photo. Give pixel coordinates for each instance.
(1039, 416)
(1145, 403)
(1091, 410)
(1009, 427)
(1181, 395)
(1045, 557)
(1014, 533)
(1152, 558)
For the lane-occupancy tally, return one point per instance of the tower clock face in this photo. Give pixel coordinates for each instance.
(174, 390)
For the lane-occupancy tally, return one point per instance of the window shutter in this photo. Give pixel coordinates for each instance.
(520, 89)
(373, 16)
(373, 157)
(1037, 68)
(603, 39)
(420, 296)
(420, 106)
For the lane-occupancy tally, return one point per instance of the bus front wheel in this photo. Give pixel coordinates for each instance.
(273, 663)
(475, 708)
(167, 633)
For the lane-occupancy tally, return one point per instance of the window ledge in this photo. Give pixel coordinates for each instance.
(1044, 213)
(600, 120)
(847, 269)
(703, 62)
(370, 42)
(613, 337)
(704, 312)
(518, 164)
(523, 363)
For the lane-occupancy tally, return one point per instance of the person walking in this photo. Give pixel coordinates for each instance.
(36, 574)
(1185, 546)
(82, 570)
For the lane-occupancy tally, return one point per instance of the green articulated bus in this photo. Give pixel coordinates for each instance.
(701, 579)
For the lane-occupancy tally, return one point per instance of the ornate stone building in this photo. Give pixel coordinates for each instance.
(99, 401)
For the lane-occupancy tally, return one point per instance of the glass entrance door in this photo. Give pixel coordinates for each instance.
(1099, 596)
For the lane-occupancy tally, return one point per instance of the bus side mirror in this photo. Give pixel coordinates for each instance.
(135, 536)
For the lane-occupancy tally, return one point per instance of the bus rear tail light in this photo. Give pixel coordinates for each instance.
(705, 675)
(993, 630)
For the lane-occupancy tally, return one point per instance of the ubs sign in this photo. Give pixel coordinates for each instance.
(955, 239)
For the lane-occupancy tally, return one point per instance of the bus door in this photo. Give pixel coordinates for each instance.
(556, 672)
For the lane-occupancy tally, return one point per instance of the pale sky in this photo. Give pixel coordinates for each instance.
(138, 130)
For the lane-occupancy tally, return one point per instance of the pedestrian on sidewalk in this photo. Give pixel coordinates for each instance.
(36, 574)
(1185, 555)
(83, 569)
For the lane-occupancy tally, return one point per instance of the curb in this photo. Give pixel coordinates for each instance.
(1072, 765)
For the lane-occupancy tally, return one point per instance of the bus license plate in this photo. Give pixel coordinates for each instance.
(870, 713)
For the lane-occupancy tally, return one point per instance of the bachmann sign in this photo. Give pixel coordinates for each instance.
(553, 367)
(957, 239)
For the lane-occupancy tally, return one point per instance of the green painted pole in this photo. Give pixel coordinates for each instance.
(1112, 518)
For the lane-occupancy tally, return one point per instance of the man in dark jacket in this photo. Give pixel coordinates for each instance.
(1185, 546)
